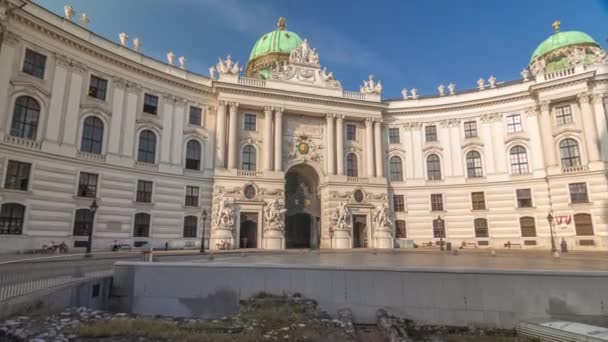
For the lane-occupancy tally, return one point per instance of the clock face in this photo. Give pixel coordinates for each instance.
(303, 148)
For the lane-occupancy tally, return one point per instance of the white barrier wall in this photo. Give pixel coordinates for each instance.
(452, 297)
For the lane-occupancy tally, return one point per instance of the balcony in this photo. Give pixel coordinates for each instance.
(253, 82)
(194, 173)
(353, 95)
(91, 156)
(358, 180)
(575, 169)
(146, 166)
(559, 74)
(21, 142)
(247, 173)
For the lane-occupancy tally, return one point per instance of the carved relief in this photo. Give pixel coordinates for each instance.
(412, 126)
(489, 118)
(304, 147)
(341, 218)
(274, 216)
(450, 123)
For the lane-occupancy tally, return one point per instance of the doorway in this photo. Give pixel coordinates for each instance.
(297, 231)
(248, 233)
(359, 231)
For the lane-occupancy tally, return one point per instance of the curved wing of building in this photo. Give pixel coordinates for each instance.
(286, 157)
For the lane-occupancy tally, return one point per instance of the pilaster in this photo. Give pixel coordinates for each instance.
(116, 128)
(330, 144)
(546, 131)
(369, 146)
(232, 135)
(267, 155)
(220, 158)
(591, 135)
(340, 144)
(71, 121)
(600, 103)
(278, 139)
(378, 147)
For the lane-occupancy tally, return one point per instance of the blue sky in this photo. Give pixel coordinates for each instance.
(417, 43)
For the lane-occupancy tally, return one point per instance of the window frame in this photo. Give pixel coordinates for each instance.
(139, 225)
(198, 112)
(33, 69)
(352, 165)
(578, 197)
(147, 152)
(192, 196)
(570, 154)
(398, 203)
(11, 224)
(470, 129)
(433, 173)
(527, 231)
(143, 194)
(439, 229)
(87, 193)
(150, 104)
(22, 125)
(521, 199)
(478, 200)
(519, 160)
(98, 88)
(561, 117)
(481, 230)
(513, 125)
(250, 122)
(23, 173)
(437, 202)
(192, 230)
(249, 163)
(193, 159)
(583, 230)
(392, 137)
(351, 131)
(82, 224)
(400, 229)
(430, 133)
(395, 175)
(94, 143)
(474, 164)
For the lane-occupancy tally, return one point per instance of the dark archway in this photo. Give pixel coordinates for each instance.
(248, 230)
(302, 201)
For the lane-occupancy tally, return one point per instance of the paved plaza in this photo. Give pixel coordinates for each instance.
(469, 259)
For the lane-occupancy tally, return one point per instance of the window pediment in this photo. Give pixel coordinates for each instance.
(195, 131)
(471, 143)
(95, 107)
(516, 137)
(432, 146)
(149, 121)
(566, 131)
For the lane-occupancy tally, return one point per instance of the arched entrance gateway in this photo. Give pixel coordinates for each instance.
(303, 217)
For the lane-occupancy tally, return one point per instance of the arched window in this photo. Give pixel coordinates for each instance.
(439, 228)
(142, 225)
(433, 167)
(25, 118)
(11, 219)
(147, 147)
(583, 225)
(248, 158)
(396, 169)
(352, 167)
(190, 226)
(481, 227)
(519, 160)
(474, 169)
(92, 135)
(193, 155)
(400, 232)
(528, 227)
(83, 222)
(568, 150)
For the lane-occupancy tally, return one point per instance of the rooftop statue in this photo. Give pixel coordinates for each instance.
(371, 87)
(404, 93)
(414, 93)
(171, 58)
(303, 54)
(68, 10)
(227, 66)
(481, 84)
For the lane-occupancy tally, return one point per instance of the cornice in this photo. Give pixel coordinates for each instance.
(105, 55)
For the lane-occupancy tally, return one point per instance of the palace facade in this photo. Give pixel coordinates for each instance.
(276, 154)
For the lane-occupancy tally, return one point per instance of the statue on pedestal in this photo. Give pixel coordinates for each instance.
(381, 218)
(274, 215)
(342, 218)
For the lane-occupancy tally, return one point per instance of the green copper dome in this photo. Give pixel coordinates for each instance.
(272, 47)
(562, 39)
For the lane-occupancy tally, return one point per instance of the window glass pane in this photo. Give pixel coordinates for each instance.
(87, 185)
(396, 169)
(578, 193)
(398, 203)
(352, 168)
(92, 135)
(193, 155)
(528, 227)
(400, 232)
(351, 132)
(34, 63)
(514, 123)
(25, 118)
(524, 198)
(195, 116)
(436, 202)
(150, 104)
(249, 122)
(430, 133)
(569, 153)
(583, 225)
(147, 147)
(563, 115)
(248, 158)
(142, 225)
(433, 167)
(11, 219)
(144, 191)
(17, 175)
(481, 228)
(474, 168)
(470, 129)
(393, 135)
(97, 88)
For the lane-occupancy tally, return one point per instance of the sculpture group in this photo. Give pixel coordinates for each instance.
(341, 219)
(274, 215)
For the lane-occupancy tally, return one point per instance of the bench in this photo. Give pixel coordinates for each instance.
(510, 245)
(465, 244)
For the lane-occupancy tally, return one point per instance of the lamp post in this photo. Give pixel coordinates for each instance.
(440, 224)
(93, 208)
(204, 218)
(550, 219)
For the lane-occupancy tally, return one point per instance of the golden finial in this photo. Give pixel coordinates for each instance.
(282, 23)
(556, 24)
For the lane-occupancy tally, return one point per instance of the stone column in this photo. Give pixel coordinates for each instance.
(179, 115)
(340, 144)
(498, 136)
(417, 138)
(267, 155)
(56, 112)
(220, 158)
(378, 147)
(331, 170)
(485, 131)
(70, 130)
(167, 118)
(7, 56)
(443, 132)
(130, 116)
(117, 114)
(600, 102)
(536, 145)
(369, 146)
(455, 148)
(546, 131)
(232, 135)
(591, 137)
(278, 139)
(409, 152)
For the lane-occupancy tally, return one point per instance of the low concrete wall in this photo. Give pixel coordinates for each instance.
(433, 296)
(94, 294)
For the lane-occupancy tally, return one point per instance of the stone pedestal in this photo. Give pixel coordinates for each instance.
(384, 238)
(273, 239)
(341, 239)
(221, 235)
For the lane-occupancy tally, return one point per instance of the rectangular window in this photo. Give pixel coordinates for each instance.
(524, 198)
(98, 87)
(436, 202)
(478, 199)
(398, 203)
(400, 232)
(144, 191)
(470, 129)
(87, 185)
(527, 226)
(195, 117)
(150, 104)
(514, 123)
(438, 228)
(578, 193)
(481, 228)
(17, 175)
(393, 135)
(34, 63)
(351, 132)
(192, 196)
(249, 122)
(563, 115)
(430, 133)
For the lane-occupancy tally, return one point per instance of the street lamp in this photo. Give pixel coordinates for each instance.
(204, 217)
(92, 208)
(441, 230)
(550, 219)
